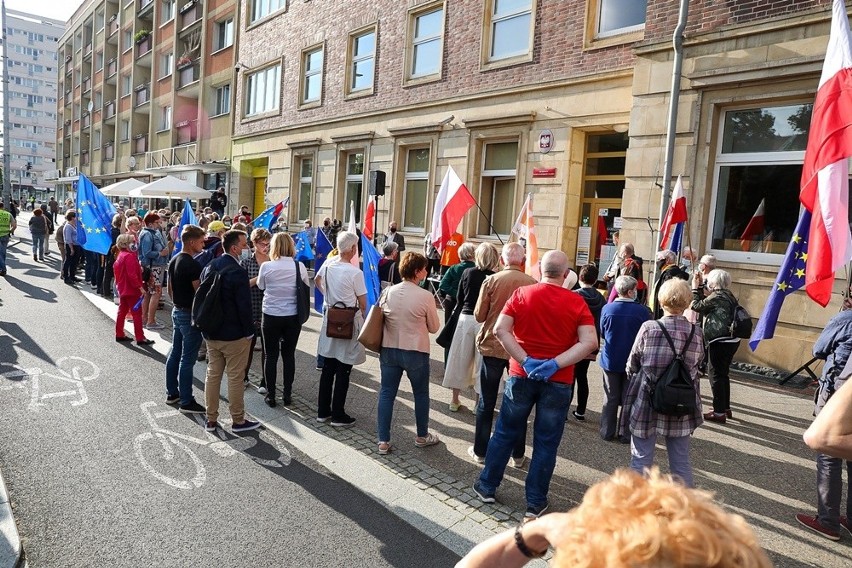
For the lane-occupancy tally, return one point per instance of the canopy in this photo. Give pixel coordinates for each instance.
(122, 188)
(172, 188)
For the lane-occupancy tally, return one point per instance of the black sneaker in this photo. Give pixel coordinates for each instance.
(172, 399)
(287, 400)
(534, 512)
(124, 339)
(192, 408)
(344, 420)
(246, 426)
(145, 342)
(578, 416)
(270, 402)
(484, 496)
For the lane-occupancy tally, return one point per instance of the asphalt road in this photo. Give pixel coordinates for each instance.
(102, 473)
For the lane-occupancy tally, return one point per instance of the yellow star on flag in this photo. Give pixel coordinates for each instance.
(782, 286)
(800, 273)
(797, 238)
(804, 257)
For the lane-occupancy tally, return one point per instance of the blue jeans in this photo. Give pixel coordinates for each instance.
(490, 375)
(186, 340)
(551, 401)
(416, 364)
(642, 456)
(4, 243)
(38, 245)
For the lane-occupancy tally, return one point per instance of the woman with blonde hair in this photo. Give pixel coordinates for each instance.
(463, 358)
(280, 322)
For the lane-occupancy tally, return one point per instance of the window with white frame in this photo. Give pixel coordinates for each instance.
(165, 118)
(127, 40)
(415, 189)
(510, 29)
(362, 61)
(222, 100)
(497, 187)
(167, 12)
(312, 76)
(758, 169)
(224, 34)
(263, 91)
(167, 64)
(306, 186)
(613, 17)
(262, 8)
(125, 85)
(96, 140)
(353, 182)
(124, 130)
(99, 100)
(426, 47)
(99, 61)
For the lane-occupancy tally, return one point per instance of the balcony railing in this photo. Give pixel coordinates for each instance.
(143, 4)
(142, 95)
(187, 74)
(113, 27)
(87, 84)
(84, 158)
(109, 109)
(175, 156)
(144, 46)
(186, 132)
(190, 13)
(87, 120)
(140, 144)
(111, 67)
(109, 152)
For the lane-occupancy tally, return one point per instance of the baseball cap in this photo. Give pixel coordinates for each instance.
(216, 226)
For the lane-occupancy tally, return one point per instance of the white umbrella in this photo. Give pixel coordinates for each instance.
(172, 188)
(122, 188)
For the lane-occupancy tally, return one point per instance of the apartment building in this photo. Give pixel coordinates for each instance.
(32, 60)
(564, 100)
(145, 91)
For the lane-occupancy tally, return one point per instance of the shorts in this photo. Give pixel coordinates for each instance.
(156, 280)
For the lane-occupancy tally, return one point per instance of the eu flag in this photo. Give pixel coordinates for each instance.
(303, 247)
(371, 258)
(186, 218)
(269, 217)
(323, 248)
(94, 212)
(790, 278)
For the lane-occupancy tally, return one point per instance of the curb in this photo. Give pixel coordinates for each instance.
(11, 549)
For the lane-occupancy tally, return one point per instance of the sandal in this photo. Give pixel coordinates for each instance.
(384, 448)
(429, 439)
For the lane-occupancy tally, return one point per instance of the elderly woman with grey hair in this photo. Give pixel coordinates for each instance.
(449, 288)
(389, 265)
(717, 310)
(667, 269)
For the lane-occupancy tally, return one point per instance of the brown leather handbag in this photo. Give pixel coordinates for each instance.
(340, 319)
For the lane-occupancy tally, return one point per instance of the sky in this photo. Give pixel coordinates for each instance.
(57, 9)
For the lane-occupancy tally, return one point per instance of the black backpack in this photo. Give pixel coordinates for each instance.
(207, 312)
(740, 322)
(674, 394)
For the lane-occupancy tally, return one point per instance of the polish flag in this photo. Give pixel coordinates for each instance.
(755, 227)
(825, 173)
(353, 228)
(675, 214)
(369, 216)
(453, 202)
(524, 228)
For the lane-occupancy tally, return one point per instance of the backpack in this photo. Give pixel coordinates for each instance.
(740, 322)
(207, 311)
(674, 394)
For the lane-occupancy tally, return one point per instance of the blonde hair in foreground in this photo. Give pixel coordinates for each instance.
(629, 521)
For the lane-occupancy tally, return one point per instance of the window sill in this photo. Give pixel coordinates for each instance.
(260, 116)
(359, 94)
(124, 141)
(310, 104)
(266, 18)
(616, 39)
(422, 80)
(162, 130)
(221, 49)
(167, 22)
(220, 115)
(169, 76)
(491, 64)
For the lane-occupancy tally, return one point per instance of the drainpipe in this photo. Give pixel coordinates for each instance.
(674, 96)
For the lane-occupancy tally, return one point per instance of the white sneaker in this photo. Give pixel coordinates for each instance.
(261, 390)
(474, 457)
(518, 463)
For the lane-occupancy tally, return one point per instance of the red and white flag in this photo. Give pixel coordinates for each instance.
(825, 173)
(353, 228)
(369, 216)
(676, 213)
(453, 202)
(755, 226)
(524, 228)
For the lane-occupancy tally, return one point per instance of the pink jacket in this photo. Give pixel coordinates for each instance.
(128, 273)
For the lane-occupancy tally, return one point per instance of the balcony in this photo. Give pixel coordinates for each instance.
(143, 46)
(84, 158)
(112, 29)
(111, 68)
(190, 13)
(140, 144)
(109, 152)
(87, 120)
(143, 95)
(109, 110)
(176, 157)
(186, 132)
(87, 51)
(87, 84)
(188, 74)
(145, 6)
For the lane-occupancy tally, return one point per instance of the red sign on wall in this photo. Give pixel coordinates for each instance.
(544, 172)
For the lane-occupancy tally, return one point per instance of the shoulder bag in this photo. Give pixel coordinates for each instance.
(303, 296)
(374, 328)
(340, 319)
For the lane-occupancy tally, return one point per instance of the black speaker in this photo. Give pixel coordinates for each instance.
(377, 182)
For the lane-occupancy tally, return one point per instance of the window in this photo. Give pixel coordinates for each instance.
(127, 41)
(168, 11)
(167, 64)
(224, 34)
(362, 60)
(619, 16)
(96, 140)
(427, 30)
(264, 91)
(759, 166)
(125, 85)
(165, 118)
(510, 26)
(416, 189)
(222, 100)
(306, 186)
(99, 61)
(99, 20)
(99, 99)
(262, 8)
(497, 188)
(354, 183)
(312, 76)
(124, 130)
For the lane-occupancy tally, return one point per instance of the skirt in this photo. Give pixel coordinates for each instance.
(463, 359)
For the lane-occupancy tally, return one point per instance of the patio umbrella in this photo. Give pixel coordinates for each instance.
(122, 188)
(170, 187)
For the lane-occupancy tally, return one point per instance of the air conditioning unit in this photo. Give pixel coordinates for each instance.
(70, 172)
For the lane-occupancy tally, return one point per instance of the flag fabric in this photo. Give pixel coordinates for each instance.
(94, 212)
(524, 228)
(603, 235)
(303, 246)
(186, 218)
(825, 172)
(452, 203)
(755, 226)
(790, 278)
(269, 217)
(323, 248)
(371, 271)
(676, 213)
(369, 215)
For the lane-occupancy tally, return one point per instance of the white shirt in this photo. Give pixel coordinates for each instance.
(277, 279)
(343, 283)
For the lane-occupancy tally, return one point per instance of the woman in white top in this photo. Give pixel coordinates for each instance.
(340, 283)
(280, 322)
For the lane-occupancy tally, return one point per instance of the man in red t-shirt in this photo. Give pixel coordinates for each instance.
(546, 329)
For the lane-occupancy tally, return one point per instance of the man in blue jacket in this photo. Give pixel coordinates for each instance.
(229, 346)
(620, 323)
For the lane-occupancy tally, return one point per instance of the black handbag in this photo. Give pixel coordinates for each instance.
(303, 296)
(445, 337)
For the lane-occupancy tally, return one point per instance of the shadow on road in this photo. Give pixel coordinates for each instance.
(17, 338)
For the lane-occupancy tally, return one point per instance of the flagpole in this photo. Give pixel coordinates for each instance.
(487, 220)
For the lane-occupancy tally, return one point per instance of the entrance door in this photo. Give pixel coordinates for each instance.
(259, 196)
(601, 219)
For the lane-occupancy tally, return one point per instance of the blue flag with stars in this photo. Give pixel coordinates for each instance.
(186, 218)
(269, 217)
(371, 258)
(790, 278)
(94, 212)
(303, 246)
(323, 248)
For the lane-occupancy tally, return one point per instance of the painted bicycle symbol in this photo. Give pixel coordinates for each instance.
(167, 454)
(73, 372)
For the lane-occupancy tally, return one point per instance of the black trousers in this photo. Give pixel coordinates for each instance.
(333, 388)
(720, 355)
(280, 336)
(581, 384)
